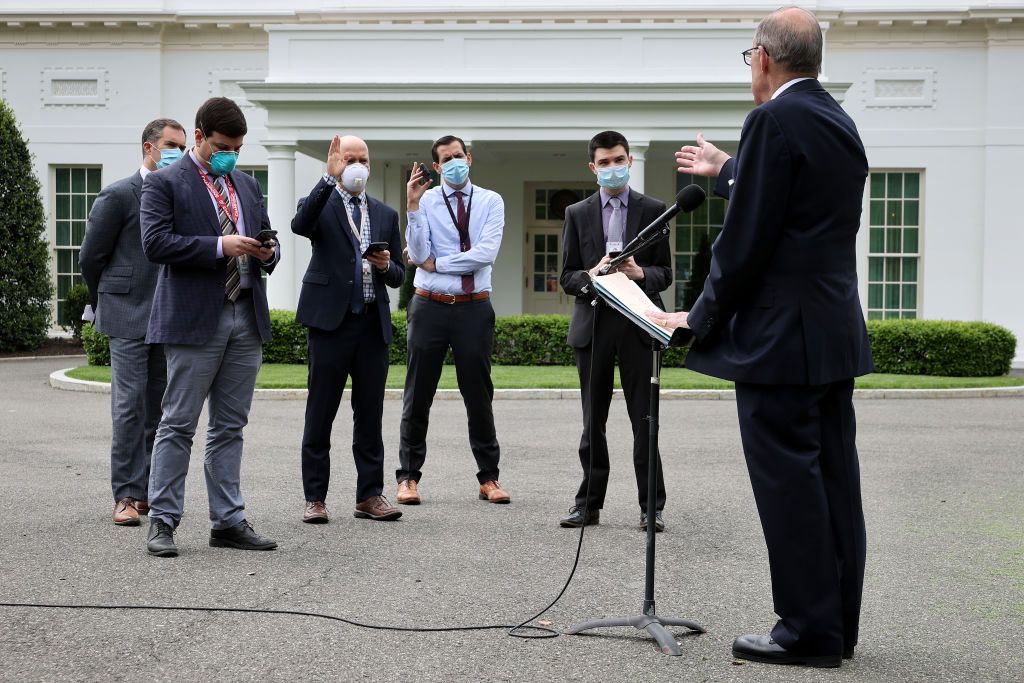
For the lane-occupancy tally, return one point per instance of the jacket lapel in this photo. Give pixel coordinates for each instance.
(337, 205)
(375, 226)
(202, 203)
(136, 183)
(246, 206)
(594, 234)
(633, 215)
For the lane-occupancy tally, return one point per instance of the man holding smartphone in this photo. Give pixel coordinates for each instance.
(344, 303)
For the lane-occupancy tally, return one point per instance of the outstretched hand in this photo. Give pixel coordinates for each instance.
(704, 160)
(336, 162)
(669, 320)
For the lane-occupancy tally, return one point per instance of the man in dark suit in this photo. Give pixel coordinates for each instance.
(596, 229)
(780, 315)
(344, 303)
(121, 282)
(199, 222)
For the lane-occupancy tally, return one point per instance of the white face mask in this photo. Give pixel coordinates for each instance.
(353, 178)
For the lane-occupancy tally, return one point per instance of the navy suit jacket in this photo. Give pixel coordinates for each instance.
(583, 246)
(780, 305)
(180, 230)
(329, 278)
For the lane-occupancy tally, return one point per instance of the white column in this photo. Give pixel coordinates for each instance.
(282, 285)
(636, 174)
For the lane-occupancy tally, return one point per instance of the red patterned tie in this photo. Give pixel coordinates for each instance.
(467, 280)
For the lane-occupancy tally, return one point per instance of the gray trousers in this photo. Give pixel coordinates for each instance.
(138, 376)
(224, 371)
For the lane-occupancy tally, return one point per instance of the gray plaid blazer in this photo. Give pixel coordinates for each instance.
(120, 278)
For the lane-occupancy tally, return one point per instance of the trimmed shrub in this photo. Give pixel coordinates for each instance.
(96, 344)
(398, 352)
(532, 340)
(288, 344)
(74, 304)
(941, 347)
(25, 287)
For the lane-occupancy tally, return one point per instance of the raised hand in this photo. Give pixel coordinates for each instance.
(704, 160)
(414, 190)
(336, 163)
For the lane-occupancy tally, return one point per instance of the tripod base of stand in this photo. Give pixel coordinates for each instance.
(654, 625)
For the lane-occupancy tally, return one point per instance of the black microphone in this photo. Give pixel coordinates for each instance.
(687, 200)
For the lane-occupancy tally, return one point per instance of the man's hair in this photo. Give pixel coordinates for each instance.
(796, 46)
(155, 128)
(607, 140)
(446, 140)
(221, 115)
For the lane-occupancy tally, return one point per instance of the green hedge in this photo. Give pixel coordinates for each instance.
(941, 347)
(902, 347)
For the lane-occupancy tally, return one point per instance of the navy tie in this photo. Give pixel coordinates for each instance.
(356, 300)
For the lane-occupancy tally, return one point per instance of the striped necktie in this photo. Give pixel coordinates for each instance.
(233, 283)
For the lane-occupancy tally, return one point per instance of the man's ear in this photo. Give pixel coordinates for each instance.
(469, 158)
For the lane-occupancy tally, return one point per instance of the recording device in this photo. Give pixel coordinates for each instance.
(688, 199)
(375, 248)
(266, 238)
(426, 173)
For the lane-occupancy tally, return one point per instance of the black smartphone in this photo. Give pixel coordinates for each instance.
(265, 236)
(375, 247)
(426, 173)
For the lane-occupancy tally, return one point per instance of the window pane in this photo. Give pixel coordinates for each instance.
(892, 315)
(88, 205)
(683, 239)
(538, 197)
(553, 244)
(63, 180)
(910, 213)
(877, 240)
(552, 264)
(874, 315)
(877, 213)
(78, 180)
(538, 242)
(910, 315)
(892, 296)
(893, 214)
(539, 214)
(874, 296)
(538, 283)
(892, 270)
(63, 285)
(75, 267)
(63, 207)
(877, 185)
(77, 233)
(93, 180)
(700, 216)
(910, 270)
(538, 263)
(910, 240)
(78, 207)
(892, 240)
(909, 296)
(894, 189)
(874, 269)
(911, 185)
(63, 261)
(63, 233)
(716, 212)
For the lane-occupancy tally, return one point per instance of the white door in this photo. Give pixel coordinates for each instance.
(545, 217)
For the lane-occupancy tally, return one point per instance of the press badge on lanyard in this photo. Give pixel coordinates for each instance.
(231, 210)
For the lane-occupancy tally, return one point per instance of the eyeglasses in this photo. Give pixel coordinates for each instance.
(749, 54)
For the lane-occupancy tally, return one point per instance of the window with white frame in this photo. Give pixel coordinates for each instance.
(76, 188)
(703, 223)
(894, 238)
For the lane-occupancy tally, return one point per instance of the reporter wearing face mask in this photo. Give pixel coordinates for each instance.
(357, 251)
(121, 282)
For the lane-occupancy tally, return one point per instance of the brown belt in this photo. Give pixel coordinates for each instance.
(452, 298)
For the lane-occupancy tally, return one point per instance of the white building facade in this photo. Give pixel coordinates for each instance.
(936, 89)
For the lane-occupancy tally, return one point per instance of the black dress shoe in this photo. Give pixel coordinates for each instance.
(160, 541)
(763, 649)
(659, 521)
(241, 536)
(576, 518)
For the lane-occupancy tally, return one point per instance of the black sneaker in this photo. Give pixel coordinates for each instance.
(576, 518)
(241, 536)
(659, 522)
(160, 541)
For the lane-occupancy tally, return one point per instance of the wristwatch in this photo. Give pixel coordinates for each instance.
(329, 179)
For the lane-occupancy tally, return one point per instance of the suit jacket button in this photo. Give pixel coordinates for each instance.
(350, 281)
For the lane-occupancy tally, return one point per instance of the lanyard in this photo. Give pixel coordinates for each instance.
(356, 230)
(469, 210)
(232, 199)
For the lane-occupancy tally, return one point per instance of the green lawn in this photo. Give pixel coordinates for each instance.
(560, 377)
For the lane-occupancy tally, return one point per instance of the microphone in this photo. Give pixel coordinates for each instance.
(687, 200)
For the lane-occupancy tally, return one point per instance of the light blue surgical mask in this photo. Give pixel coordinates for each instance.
(223, 162)
(455, 171)
(613, 177)
(168, 157)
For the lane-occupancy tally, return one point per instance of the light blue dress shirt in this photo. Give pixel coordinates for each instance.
(432, 233)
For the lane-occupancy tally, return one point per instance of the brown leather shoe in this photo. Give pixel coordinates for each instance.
(315, 512)
(492, 492)
(142, 506)
(378, 508)
(125, 513)
(407, 493)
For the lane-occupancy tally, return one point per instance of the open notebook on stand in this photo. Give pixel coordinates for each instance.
(627, 298)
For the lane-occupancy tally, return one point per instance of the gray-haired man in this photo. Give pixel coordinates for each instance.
(121, 281)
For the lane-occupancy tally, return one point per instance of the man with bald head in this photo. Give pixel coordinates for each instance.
(780, 315)
(344, 304)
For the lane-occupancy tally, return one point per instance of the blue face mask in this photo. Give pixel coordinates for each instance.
(222, 163)
(168, 157)
(613, 177)
(455, 171)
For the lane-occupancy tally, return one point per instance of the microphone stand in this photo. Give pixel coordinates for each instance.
(648, 620)
(639, 243)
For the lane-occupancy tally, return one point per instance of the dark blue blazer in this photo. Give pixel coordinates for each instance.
(780, 305)
(180, 231)
(330, 276)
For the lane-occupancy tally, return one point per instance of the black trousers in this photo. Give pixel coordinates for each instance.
(615, 337)
(800, 446)
(355, 349)
(468, 329)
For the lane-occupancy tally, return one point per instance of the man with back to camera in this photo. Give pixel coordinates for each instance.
(199, 222)
(121, 281)
(453, 236)
(344, 304)
(780, 315)
(596, 229)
